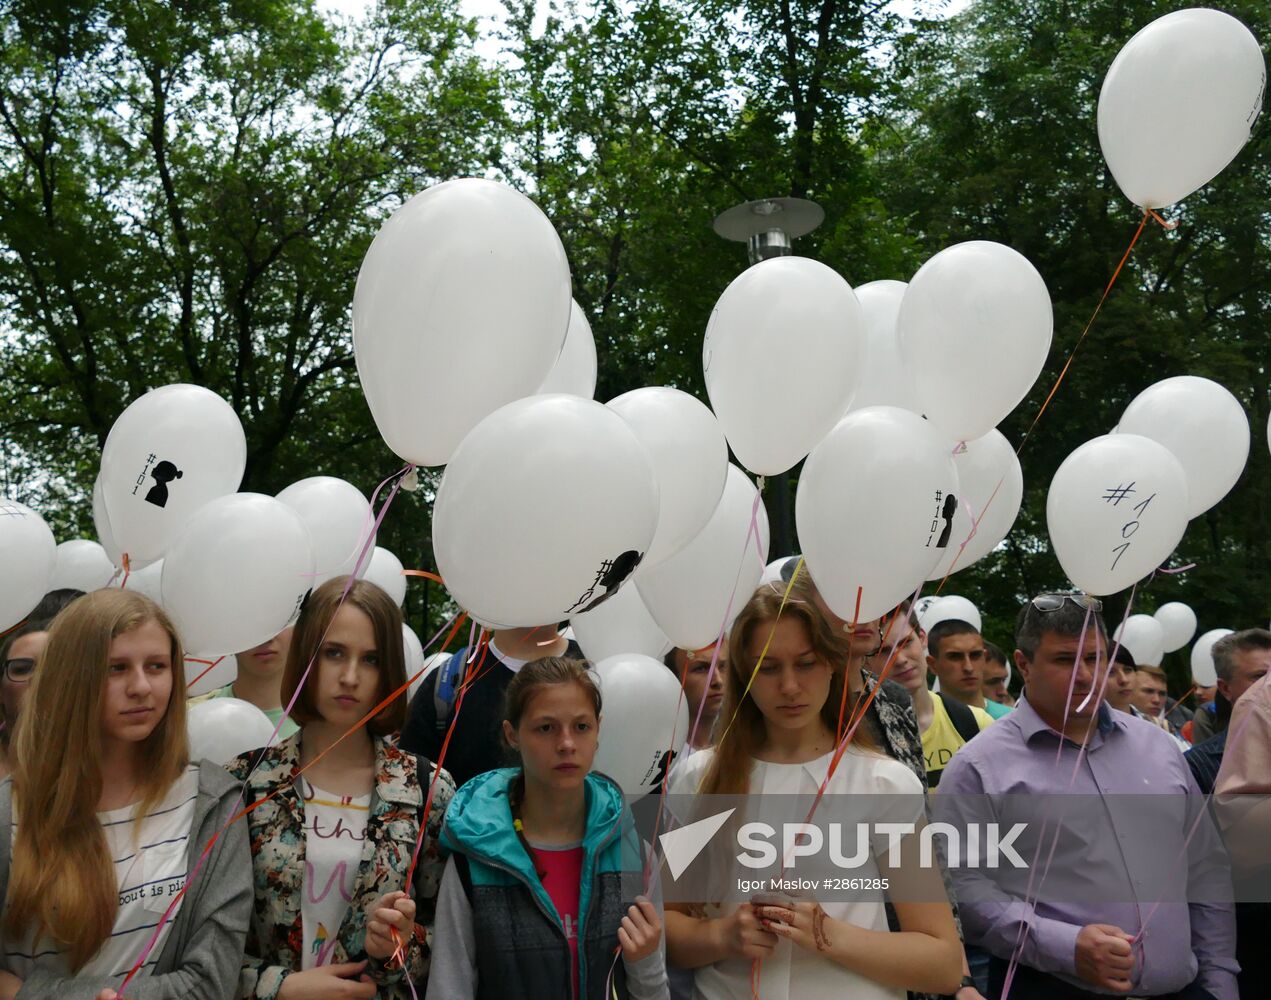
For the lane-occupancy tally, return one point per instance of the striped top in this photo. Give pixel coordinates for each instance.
(150, 868)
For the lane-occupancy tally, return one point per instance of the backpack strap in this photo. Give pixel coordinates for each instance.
(446, 688)
(962, 717)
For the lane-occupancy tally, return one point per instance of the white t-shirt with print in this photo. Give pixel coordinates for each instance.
(150, 869)
(335, 832)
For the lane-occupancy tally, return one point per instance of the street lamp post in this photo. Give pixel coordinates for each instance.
(769, 228)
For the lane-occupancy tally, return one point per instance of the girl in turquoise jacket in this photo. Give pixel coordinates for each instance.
(539, 896)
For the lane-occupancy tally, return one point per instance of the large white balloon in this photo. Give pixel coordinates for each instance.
(385, 571)
(1179, 623)
(1179, 103)
(698, 592)
(148, 580)
(621, 625)
(690, 462)
(462, 305)
(644, 721)
(1143, 636)
(875, 509)
(222, 728)
(169, 453)
(1203, 670)
(546, 507)
(81, 564)
(339, 520)
(789, 322)
(992, 485)
(1116, 509)
(950, 607)
(28, 554)
(1205, 427)
(575, 369)
(772, 573)
(975, 328)
(238, 573)
(885, 379)
(101, 524)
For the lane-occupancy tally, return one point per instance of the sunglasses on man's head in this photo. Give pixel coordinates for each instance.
(1046, 603)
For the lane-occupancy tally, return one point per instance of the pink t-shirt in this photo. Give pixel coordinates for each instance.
(561, 871)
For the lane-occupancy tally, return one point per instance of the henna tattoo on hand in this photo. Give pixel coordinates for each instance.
(819, 935)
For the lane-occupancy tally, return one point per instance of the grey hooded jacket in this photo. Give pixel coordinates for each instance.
(204, 949)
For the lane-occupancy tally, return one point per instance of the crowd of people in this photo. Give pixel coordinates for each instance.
(461, 845)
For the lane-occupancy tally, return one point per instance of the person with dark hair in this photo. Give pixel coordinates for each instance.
(955, 653)
(1061, 740)
(331, 848)
(52, 603)
(995, 685)
(703, 692)
(259, 681)
(475, 744)
(1119, 693)
(536, 899)
(1240, 660)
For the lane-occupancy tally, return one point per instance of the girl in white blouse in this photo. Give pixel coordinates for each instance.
(787, 707)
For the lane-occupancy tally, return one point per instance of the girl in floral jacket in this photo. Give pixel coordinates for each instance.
(332, 847)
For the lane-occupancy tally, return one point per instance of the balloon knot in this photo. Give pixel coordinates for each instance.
(410, 481)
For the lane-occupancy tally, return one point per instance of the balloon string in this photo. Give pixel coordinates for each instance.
(425, 574)
(1147, 214)
(211, 665)
(14, 628)
(127, 571)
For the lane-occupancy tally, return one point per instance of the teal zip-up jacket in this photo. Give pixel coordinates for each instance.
(497, 935)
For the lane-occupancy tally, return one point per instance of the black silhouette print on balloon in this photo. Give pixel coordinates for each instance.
(163, 474)
(610, 576)
(946, 505)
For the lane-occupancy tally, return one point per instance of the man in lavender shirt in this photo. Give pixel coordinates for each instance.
(1098, 926)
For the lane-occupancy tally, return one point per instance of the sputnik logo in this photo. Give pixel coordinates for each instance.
(682, 846)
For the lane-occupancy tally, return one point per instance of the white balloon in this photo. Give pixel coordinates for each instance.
(1205, 427)
(690, 462)
(975, 328)
(1179, 624)
(992, 486)
(101, 524)
(237, 574)
(28, 554)
(201, 678)
(875, 509)
(149, 581)
(546, 507)
(772, 572)
(1143, 636)
(885, 379)
(645, 720)
(696, 593)
(169, 453)
(339, 520)
(621, 625)
(950, 607)
(461, 306)
(385, 571)
(575, 369)
(81, 564)
(1179, 103)
(792, 322)
(1203, 670)
(222, 728)
(1116, 509)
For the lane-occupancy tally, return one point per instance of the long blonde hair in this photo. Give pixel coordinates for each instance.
(729, 769)
(62, 878)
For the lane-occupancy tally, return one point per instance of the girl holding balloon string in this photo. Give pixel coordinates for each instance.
(539, 895)
(332, 847)
(782, 741)
(105, 819)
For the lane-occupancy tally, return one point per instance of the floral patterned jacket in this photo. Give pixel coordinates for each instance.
(275, 938)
